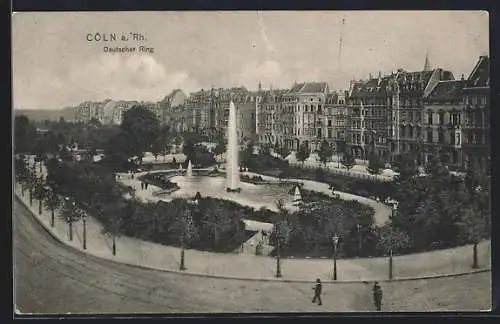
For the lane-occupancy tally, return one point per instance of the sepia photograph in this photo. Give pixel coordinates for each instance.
(201, 162)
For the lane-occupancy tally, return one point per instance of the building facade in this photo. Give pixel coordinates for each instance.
(336, 120)
(174, 112)
(440, 134)
(476, 124)
(368, 109)
(386, 114)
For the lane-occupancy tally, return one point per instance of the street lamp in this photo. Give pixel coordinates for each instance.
(278, 252)
(84, 219)
(70, 220)
(335, 239)
(394, 210)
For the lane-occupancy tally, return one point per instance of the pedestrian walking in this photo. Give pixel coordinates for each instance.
(142, 185)
(377, 296)
(146, 185)
(317, 292)
(174, 161)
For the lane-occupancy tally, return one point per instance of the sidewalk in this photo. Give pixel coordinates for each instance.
(147, 254)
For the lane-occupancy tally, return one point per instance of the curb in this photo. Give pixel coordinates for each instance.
(203, 275)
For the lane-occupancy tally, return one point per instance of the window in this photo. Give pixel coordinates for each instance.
(410, 131)
(441, 118)
(329, 133)
(329, 123)
(452, 138)
(440, 137)
(429, 118)
(429, 136)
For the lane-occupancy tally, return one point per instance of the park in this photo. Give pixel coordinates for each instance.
(240, 210)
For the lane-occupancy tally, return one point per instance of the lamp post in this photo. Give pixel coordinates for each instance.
(70, 220)
(394, 210)
(182, 267)
(278, 252)
(84, 219)
(335, 239)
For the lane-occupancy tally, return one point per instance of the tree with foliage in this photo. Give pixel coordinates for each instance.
(115, 220)
(52, 202)
(39, 193)
(375, 164)
(21, 172)
(325, 152)
(188, 148)
(220, 148)
(70, 214)
(389, 238)
(302, 153)
(246, 155)
(348, 160)
(24, 134)
(31, 184)
(472, 230)
(405, 165)
(141, 128)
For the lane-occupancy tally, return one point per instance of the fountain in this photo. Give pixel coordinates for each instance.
(297, 197)
(232, 171)
(189, 172)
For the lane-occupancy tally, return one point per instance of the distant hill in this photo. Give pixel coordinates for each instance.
(45, 114)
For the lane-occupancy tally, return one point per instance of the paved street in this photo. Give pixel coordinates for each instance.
(53, 278)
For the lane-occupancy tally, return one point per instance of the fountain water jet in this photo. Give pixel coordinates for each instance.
(189, 172)
(232, 171)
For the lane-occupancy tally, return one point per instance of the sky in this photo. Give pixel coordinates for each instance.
(55, 65)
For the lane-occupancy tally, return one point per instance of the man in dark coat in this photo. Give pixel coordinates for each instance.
(317, 292)
(377, 296)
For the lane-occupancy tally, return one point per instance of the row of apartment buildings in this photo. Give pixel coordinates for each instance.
(168, 110)
(427, 111)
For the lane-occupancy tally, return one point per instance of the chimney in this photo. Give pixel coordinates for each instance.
(462, 77)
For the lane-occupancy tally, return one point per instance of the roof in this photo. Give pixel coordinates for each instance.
(480, 75)
(314, 87)
(447, 90)
(296, 87)
(171, 95)
(372, 88)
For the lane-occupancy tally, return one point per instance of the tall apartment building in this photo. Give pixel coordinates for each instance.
(200, 108)
(87, 110)
(174, 113)
(386, 113)
(275, 124)
(336, 120)
(368, 106)
(440, 132)
(245, 103)
(476, 125)
(310, 98)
